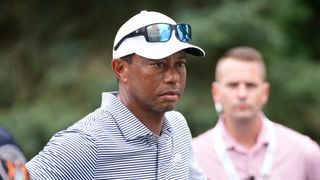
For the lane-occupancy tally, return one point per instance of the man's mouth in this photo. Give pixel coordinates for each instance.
(171, 95)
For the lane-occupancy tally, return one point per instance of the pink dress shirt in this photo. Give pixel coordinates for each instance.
(296, 157)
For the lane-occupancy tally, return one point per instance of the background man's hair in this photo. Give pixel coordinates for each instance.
(244, 53)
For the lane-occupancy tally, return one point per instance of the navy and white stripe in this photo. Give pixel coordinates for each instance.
(111, 143)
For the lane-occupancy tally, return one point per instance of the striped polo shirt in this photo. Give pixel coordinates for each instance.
(111, 143)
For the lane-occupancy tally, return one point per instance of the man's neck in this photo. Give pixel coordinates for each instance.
(244, 133)
(152, 120)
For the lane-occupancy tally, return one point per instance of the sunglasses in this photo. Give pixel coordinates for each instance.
(160, 32)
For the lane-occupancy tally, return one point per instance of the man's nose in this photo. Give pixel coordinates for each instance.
(172, 75)
(242, 91)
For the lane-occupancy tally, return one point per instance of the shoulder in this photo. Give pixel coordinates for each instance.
(66, 154)
(300, 148)
(70, 143)
(177, 120)
(175, 116)
(203, 144)
(94, 123)
(202, 140)
(75, 149)
(289, 134)
(179, 125)
(76, 145)
(204, 149)
(295, 139)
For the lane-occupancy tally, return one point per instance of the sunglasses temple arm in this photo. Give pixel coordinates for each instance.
(133, 34)
(119, 43)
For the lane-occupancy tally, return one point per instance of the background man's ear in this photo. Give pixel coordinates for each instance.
(215, 97)
(214, 91)
(120, 69)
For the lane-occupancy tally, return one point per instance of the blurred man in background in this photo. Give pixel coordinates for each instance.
(245, 144)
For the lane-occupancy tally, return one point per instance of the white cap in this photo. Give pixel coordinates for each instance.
(154, 50)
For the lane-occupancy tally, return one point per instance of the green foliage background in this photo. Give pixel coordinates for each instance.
(55, 59)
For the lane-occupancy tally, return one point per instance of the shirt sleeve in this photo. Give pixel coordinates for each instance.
(69, 154)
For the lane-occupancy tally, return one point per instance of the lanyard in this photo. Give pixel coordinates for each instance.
(227, 163)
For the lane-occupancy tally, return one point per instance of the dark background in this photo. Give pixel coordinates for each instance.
(55, 59)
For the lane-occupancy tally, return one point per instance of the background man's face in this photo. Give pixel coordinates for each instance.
(240, 89)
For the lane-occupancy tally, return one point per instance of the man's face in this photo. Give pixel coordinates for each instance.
(156, 85)
(240, 89)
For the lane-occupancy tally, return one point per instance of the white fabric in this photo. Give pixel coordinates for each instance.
(140, 46)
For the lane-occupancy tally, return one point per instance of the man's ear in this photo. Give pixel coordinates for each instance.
(266, 91)
(216, 97)
(120, 69)
(214, 91)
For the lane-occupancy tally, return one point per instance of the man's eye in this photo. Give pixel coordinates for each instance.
(182, 63)
(158, 65)
(232, 85)
(251, 85)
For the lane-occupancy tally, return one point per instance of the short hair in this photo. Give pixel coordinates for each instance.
(127, 58)
(244, 53)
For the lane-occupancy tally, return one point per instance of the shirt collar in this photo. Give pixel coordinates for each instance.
(129, 125)
(263, 137)
(262, 140)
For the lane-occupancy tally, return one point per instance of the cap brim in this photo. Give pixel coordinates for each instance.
(164, 49)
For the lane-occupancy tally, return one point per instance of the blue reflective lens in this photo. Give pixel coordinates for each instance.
(159, 32)
(184, 32)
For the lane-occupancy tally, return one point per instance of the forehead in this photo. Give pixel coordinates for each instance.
(231, 69)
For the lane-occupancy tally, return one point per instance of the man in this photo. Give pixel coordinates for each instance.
(245, 144)
(135, 134)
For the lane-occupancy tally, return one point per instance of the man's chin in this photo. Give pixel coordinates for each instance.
(244, 117)
(168, 108)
